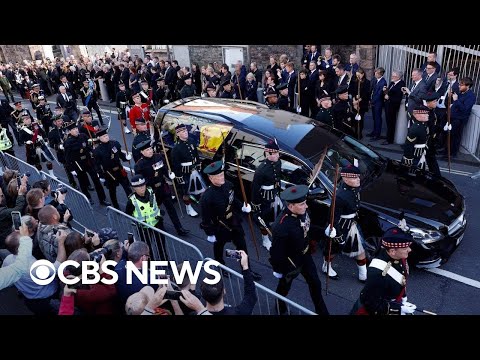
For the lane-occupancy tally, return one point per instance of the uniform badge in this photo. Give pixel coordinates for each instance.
(114, 149)
(84, 144)
(112, 156)
(191, 145)
(157, 165)
(230, 196)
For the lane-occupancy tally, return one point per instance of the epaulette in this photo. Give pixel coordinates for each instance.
(411, 140)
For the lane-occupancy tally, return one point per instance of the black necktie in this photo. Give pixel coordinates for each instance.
(427, 77)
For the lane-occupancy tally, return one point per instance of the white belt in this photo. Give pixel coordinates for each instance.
(420, 146)
(268, 187)
(349, 216)
(123, 102)
(394, 273)
(187, 163)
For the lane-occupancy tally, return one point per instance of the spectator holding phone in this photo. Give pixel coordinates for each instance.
(13, 272)
(6, 213)
(47, 233)
(58, 202)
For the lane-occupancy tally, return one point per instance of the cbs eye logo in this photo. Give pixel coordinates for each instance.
(42, 272)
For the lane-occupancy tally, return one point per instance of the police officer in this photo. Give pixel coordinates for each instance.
(266, 189)
(434, 132)
(324, 113)
(123, 99)
(78, 156)
(290, 253)
(142, 135)
(56, 139)
(108, 156)
(414, 149)
(44, 114)
(350, 238)
(185, 163)
(89, 97)
(152, 167)
(142, 205)
(221, 219)
(385, 289)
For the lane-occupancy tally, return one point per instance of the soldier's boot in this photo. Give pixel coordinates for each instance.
(191, 211)
(50, 170)
(332, 274)
(362, 270)
(266, 242)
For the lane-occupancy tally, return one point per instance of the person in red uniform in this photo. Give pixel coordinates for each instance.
(139, 110)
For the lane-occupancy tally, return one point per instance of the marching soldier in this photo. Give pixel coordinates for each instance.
(78, 157)
(414, 149)
(56, 138)
(146, 93)
(141, 136)
(434, 131)
(89, 97)
(350, 239)
(142, 205)
(34, 96)
(152, 167)
(290, 252)
(385, 289)
(108, 156)
(18, 119)
(137, 111)
(283, 100)
(342, 111)
(266, 189)
(221, 218)
(122, 100)
(324, 113)
(89, 127)
(185, 163)
(44, 114)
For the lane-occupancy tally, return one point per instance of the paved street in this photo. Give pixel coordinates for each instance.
(438, 293)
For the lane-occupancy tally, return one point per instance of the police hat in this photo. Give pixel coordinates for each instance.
(350, 171)
(295, 194)
(214, 168)
(35, 85)
(281, 86)
(41, 97)
(225, 82)
(86, 112)
(341, 90)
(70, 125)
(180, 127)
(396, 238)
(272, 146)
(140, 120)
(210, 85)
(144, 145)
(102, 131)
(431, 96)
(17, 102)
(137, 180)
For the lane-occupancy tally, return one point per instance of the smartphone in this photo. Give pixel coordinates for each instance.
(172, 295)
(130, 238)
(79, 286)
(16, 219)
(89, 233)
(232, 254)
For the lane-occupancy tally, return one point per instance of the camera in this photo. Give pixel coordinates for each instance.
(16, 219)
(172, 295)
(89, 233)
(61, 189)
(97, 255)
(233, 254)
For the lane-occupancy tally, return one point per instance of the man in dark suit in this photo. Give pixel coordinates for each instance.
(341, 77)
(377, 102)
(430, 77)
(432, 57)
(313, 55)
(170, 76)
(66, 101)
(312, 84)
(68, 86)
(417, 91)
(393, 98)
(291, 84)
(450, 82)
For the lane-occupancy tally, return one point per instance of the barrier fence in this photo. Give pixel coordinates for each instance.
(10, 162)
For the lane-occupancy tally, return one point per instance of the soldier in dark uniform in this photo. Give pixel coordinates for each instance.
(227, 92)
(152, 167)
(283, 100)
(290, 253)
(33, 136)
(343, 117)
(350, 239)
(6, 119)
(160, 94)
(266, 189)
(34, 96)
(108, 160)
(89, 127)
(122, 100)
(434, 131)
(18, 120)
(186, 163)
(89, 98)
(44, 114)
(414, 149)
(56, 137)
(221, 218)
(385, 290)
(146, 93)
(324, 113)
(143, 134)
(78, 157)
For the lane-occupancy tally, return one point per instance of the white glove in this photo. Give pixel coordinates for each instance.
(102, 180)
(39, 137)
(171, 175)
(128, 157)
(29, 142)
(402, 224)
(74, 173)
(331, 233)
(328, 65)
(447, 127)
(60, 147)
(407, 308)
(277, 275)
(246, 208)
(358, 117)
(211, 238)
(299, 109)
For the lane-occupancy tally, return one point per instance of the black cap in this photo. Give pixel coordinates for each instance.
(295, 194)
(144, 81)
(350, 171)
(86, 112)
(431, 96)
(121, 83)
(281, 86)
(225, 82)
(140, 120)
(180, 127)
(86, 80)
(137, 180)
(161, 78)
(102, 131)
(135, 95)
(144, 145)
(214, 168)
(396, 238)
(272, 146)
(25, 113)
(70, 125)
(324, 96)
(17, 102)
(186, 77)
(341, 89)
(420, 109)
(58, 107)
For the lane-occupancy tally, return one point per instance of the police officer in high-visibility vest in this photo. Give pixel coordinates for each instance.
(143, 206)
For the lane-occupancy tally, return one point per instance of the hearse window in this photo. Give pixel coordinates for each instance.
(251, 155)
(293, 171)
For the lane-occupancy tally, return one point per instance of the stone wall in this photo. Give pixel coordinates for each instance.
(204, 54)
(261, 53)
(367, 55)
(14, 53)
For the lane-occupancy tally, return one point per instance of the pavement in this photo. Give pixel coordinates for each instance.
(439, 293)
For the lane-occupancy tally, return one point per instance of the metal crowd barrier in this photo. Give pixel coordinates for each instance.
(77, 202)
(10, 162)
(266, 298)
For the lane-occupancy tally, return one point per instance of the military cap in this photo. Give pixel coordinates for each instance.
(58, 108)
(161, 78)
(35, 85)
(295, 194)
(86, 112)
(106, 234)
(25, 113)
(102, 131)
(226, 82)
(17, 103)
(272, 146)
(86, 80)
(121, 83)
(140, 120)
(180, 127)
(70, 125)
(137, 180)
(210, 85)
(214, 168)
(350, 171)
(431, 96)
(41, 97)
(325, 96)
(341, 89)
(144, 81)
(396, 238)
(136, 95)
(144, 145)
(420, 109)
(281, 86)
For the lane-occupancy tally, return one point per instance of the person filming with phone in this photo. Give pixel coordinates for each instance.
(6, 212)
